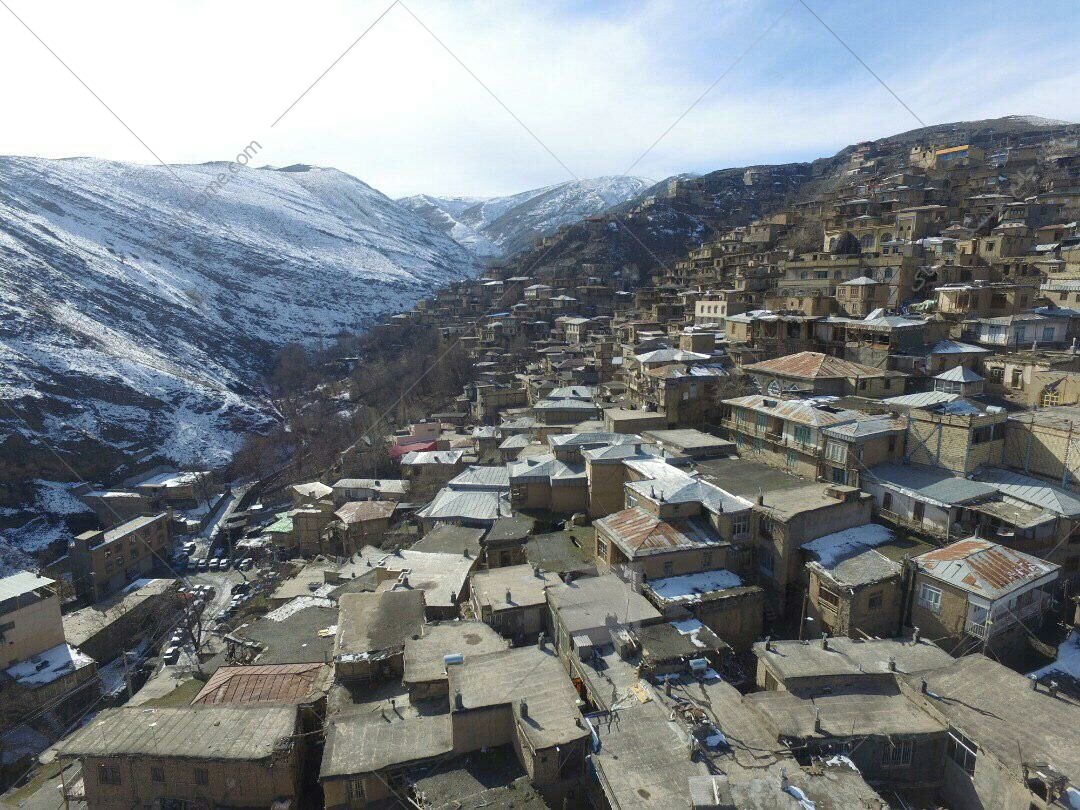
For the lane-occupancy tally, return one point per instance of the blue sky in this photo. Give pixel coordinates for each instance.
(596, 83)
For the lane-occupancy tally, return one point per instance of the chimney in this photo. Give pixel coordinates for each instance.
(1052, 688)
(523, 708)
(459, 701)
(817, 718)
(923, 687)
(824, 640)
(509, 598)
(768, 643)
(1034, 683)
(465, 554)
(915, 635)
(892, 664)
(760, 497)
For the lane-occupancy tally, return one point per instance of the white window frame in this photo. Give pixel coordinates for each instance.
(930, 597)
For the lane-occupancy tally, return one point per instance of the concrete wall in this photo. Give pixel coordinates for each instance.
(36, 627)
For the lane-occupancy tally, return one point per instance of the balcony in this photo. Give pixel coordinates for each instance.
(1004, 622)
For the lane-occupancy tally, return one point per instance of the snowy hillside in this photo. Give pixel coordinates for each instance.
(502, 226)
(127, 330)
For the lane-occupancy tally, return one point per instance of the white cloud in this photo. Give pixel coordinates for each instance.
(199, 80)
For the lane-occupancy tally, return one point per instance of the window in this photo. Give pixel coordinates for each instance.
(962, 751)
(356, 789)
(918, 511)
(601, 547)
(1051, 396)
(802, 434)
(897, 755)
(892, 444)
(836, 451)
(669, 568)
(839, 476)
(740, 524)
(792, 459)
(828, 597)
(109, 775)
(930, 597)
(202, 776)
(157, 773)
(706, 559)
(1048, 334)
(874, 602)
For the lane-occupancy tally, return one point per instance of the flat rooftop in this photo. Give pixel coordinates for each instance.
(373, 622)
(523, 586)
(301, 635)
(424, 656)
(365, 742)
(191, 732)
(997, 708)
(85, 623)
(846, 714)
(531, 674)
(745, 478)
(847, 656)
(446, 538)
(586, 604)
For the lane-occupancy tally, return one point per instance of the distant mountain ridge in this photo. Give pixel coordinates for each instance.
(503, 226)
(128, 331)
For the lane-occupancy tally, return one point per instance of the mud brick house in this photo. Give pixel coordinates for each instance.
(218, 756)
(978, 595)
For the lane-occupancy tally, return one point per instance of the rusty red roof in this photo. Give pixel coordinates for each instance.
(279, 683)
(813, 366)
(638, 533)
(984, 568)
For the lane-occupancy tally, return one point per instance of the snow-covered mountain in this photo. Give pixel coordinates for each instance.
(502, 226)
(128, 328)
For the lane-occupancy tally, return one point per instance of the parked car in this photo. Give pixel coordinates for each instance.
(171, 655)
(241, 587)
(247, 564)
(203, 565)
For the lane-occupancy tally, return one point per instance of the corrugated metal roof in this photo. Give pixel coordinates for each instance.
(930, 484)
(362, 511)
(1032, 490)
(815, 366)
(476, 477)
(959, 374)
(806, 412)
(983, 568)
(280, 683)
(467, 505)
(638, 533)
